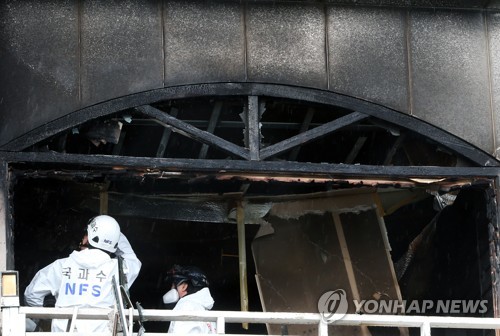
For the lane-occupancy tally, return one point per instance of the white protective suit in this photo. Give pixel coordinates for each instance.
(199, 301)
(83, 279)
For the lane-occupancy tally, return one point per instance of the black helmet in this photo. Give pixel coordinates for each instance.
(179, 274)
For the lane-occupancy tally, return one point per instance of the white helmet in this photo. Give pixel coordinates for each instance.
(103, 233)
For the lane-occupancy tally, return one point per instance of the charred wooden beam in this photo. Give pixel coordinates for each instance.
(355, 150)
(303, 127)
(394, 149)
(193, 132)
(278, 125)
(117, 149)
(161, 208)
(214, 119)
(313, 134)
(266, 168)
(165, 137)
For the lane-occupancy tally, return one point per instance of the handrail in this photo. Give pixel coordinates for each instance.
(425, 323)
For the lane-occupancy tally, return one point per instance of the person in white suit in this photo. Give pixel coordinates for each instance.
(189, 288)
(84, 278)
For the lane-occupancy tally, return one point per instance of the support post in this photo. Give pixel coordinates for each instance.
(425, 329)
(6, 232)
(240, 218)
(494, 242)
(221, 325)
(322, 328)
(253, 127)
(103, 202)
(104, 199)
(13, 322)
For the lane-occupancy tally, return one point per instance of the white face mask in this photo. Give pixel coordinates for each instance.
(171, 296)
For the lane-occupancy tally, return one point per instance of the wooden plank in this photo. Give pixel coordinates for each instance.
(192, 132)
(346, 257)
(313, 134)
(348, 264)
(258, 280)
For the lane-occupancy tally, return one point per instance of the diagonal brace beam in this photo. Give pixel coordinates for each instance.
(310, 135)
(304, 127)
(214, 119)
(192, 132)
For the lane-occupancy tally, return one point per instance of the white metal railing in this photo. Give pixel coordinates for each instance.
(14, 319)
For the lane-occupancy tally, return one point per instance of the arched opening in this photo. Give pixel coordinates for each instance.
(331, 192)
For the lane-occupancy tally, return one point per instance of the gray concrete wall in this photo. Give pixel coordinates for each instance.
(439, 65)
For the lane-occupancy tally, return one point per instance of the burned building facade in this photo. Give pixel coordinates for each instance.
(288, 148)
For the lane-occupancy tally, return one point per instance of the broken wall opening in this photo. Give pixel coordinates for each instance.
(173, 171)
(436, 248)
